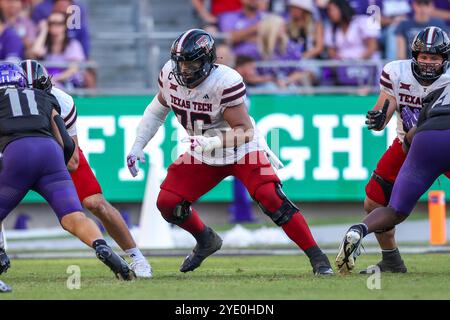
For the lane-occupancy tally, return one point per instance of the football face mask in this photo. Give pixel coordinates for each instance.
(188, 73)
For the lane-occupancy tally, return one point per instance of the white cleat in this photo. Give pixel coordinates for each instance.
(4, 287)
(142, 269)
(349, 250)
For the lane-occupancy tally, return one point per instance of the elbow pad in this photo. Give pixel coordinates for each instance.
(154, 116)
(69, 144)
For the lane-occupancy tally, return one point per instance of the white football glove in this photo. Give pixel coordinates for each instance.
(201, 144)
(135, 155)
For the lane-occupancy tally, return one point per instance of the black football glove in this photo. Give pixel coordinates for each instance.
(377, 118)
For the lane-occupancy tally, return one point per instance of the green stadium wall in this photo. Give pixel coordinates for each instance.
(328, 152)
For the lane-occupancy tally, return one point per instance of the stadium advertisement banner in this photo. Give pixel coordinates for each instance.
(327, 150)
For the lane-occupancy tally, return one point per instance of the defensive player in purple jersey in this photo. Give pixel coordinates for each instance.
(427, 159)
(31, 136)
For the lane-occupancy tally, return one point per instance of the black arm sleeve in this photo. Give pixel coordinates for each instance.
(69, 144)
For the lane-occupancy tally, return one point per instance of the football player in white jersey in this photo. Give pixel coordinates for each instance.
(404, 83)
(86, 184)
(208, 100)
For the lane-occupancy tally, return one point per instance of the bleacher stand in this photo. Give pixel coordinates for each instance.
(131, 39)
(407, 29)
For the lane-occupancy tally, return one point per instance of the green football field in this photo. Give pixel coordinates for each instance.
(225, 277)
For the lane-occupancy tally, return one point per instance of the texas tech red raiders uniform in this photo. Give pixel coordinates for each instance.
(207, 98)
(84, 179)
(201, 109)
(398, 80)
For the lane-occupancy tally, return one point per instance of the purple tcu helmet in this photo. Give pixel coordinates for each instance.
(12, 75)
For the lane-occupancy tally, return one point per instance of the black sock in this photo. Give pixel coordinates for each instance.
(203, 236)
(314, 253)
(391, 255)
(98, 242)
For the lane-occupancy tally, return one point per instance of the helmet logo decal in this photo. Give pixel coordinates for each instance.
(202, 42)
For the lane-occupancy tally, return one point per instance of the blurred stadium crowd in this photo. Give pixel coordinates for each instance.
(43, 30)
(272, 43)
(311, 30)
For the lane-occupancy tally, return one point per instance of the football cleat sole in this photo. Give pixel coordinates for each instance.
(348, 251)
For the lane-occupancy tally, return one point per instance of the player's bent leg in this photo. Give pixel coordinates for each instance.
(90, 194)
(81, 227)
(285, 214)
(57, 185)
(386, 238)
(16, 178)
(186, 181)
(176, 210)
(87, 231)
(10, 197)
(378, 192)
(116, 227)
(111, 220)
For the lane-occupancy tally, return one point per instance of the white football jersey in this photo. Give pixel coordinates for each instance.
(397, 80)
(201, 108)
(68, 110)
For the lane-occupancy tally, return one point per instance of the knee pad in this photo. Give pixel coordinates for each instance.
(385, 185)
(174, 209)
(273, 193)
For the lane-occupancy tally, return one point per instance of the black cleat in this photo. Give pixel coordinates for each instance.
(321, 266)
(4, 261)
(387, 266)
(202, 250)
(4, 287)
(117, 265)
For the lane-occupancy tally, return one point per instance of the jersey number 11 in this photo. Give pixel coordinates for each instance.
(14, 100)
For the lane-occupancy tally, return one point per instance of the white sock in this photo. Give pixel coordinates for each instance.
(135, 254)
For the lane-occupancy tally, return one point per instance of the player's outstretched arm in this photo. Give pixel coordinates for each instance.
(381, 114)
(154, 116)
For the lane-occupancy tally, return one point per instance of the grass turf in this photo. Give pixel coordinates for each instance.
(224, 277)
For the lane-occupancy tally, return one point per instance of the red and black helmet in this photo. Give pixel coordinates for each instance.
(37, 75)
(431, 40)
(193, 55)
